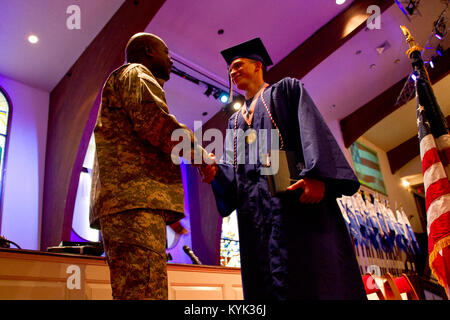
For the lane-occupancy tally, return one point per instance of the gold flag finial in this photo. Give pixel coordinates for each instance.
(410, 40)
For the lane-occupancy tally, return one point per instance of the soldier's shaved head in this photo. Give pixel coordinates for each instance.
(137, 44)
(151, 51)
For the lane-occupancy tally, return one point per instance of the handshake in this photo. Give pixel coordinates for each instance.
(208, 169)
(313, 190)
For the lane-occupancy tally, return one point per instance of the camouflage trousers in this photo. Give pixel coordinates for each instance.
(134, 243)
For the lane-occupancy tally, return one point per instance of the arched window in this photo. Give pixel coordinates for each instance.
(4, 126)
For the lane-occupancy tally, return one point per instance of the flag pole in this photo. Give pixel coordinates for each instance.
(434, 143)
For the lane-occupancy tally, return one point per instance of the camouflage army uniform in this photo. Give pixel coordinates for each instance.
(135, 252)
(137, 189)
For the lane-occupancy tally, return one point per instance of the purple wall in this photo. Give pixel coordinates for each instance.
(25, 163)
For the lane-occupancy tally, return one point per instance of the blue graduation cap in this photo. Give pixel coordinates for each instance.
(253, 49)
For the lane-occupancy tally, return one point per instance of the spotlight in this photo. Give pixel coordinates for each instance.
(33, 39)
(405, 183)
(237, 105)
(339, 2)
(440, 28)
(208, 91)
(223, 97)
(412, 5)
(432, 63)
(414, 76)
(439, 50)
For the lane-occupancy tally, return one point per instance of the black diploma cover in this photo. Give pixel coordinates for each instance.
(288, 172)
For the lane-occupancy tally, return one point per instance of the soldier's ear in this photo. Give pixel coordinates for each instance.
(148, 52)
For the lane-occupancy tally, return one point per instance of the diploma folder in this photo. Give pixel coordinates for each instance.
(289, 168)
(84, 248)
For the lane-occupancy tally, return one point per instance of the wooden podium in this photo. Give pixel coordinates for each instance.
(35, 275)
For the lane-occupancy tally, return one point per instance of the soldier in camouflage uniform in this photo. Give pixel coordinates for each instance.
(137, 189)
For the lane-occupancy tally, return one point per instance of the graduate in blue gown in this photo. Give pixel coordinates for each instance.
(290, 247)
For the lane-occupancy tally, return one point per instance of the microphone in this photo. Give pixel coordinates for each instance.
(191, 255)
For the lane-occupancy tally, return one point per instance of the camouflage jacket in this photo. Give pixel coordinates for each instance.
(133, 133)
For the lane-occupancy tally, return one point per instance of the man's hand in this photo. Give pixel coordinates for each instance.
(313, 190)
(179, 228)
(208, 171)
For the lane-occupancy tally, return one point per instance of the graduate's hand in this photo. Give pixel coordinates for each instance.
(208, 171)
(313, 190)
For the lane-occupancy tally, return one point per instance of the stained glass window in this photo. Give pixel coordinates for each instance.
(4, 122)
(229, 242)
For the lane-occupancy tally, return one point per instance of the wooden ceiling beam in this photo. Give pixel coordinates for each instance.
(405, 152)
(73, 108)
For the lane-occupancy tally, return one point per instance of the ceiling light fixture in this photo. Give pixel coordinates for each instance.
(405, 183)
(33, 39)
(439, 50)
(411, 7)
(223, 97)
(408, 7)
(211, 89)
(432, 62)
(339, 2)
(237, 106)
(440, 28)
(208, 91)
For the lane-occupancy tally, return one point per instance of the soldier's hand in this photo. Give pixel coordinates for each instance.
(179, 228)
(208, 171)
(313, 190)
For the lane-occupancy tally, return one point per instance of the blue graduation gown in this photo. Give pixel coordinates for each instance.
(291, 250)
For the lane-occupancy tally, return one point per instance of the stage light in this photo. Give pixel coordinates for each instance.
(33, 39)
(340, 2)
(432, 63)
(223, 97)
(405, 184)
(440, 28)
(237, 105)
(412, 5)
(208, 91)
(439, 50)
(414, 76)
(438, 35)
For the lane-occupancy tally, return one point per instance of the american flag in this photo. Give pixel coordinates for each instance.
(435, 155)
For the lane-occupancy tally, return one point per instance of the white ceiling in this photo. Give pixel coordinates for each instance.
(44, 64)
(339, 85)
